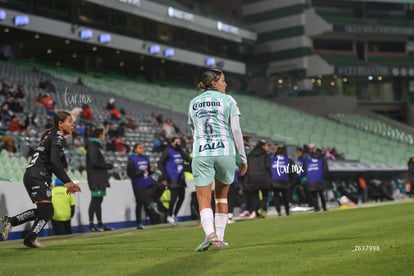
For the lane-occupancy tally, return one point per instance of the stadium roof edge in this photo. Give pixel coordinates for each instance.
(179, 18)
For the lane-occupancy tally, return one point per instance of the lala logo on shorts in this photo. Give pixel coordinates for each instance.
(212, 146)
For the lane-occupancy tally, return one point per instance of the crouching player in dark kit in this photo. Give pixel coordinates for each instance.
(46, 160)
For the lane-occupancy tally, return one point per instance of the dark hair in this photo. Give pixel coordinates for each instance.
(97, 132)
(208, 77)
(135, 146)
(60, 116)
(174, 138)
(281, 150)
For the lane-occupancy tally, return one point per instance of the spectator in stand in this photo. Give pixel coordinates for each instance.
(110, 104)
(129, 122)
(47, 86)
(16, 125)
(20, 93)
(160, 142)
(86, 114)
(14, 105)
(8, 143)
(152, 119)
(160, 119)
(79, 143)
(169, 128)
(126, 121)
(76, 113)
(171, 164)
(16, 92)
(49, 104)
(30, 121)
(5, 114)
(5, 87)
(120, 145)
(110, 130)
(115, 114)
(81, 129)
(120, 130)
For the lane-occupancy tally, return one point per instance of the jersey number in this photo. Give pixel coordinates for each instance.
(34, 159)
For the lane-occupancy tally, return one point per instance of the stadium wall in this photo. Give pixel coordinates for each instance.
(118, 207)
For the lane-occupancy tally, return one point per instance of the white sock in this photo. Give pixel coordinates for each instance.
(207, 220)
(221, 222)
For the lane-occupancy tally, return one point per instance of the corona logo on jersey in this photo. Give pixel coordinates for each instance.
(199, 105)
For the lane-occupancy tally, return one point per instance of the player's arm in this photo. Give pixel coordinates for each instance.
(238, 142)
(56, 150)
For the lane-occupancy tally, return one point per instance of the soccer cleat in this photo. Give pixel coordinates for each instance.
(6, 228)
(252, 215)
(33, 244)
(208, 241)
(93, 228)
(102, 228)
(140, 227)
(172, 221)
(261, 213)
(220, 244)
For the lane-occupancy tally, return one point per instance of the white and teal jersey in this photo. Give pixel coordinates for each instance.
(209, 114)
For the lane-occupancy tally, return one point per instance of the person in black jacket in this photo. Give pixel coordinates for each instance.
(98, 177)
(258, 178)
(47, 159)
(171, 164)
(282, 173)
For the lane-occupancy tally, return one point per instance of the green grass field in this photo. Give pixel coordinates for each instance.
(376, 240)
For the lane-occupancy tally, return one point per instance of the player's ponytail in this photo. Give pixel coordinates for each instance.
(208, 77)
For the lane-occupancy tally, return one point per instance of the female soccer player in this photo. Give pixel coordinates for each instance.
(46, 160)
(214, 119)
